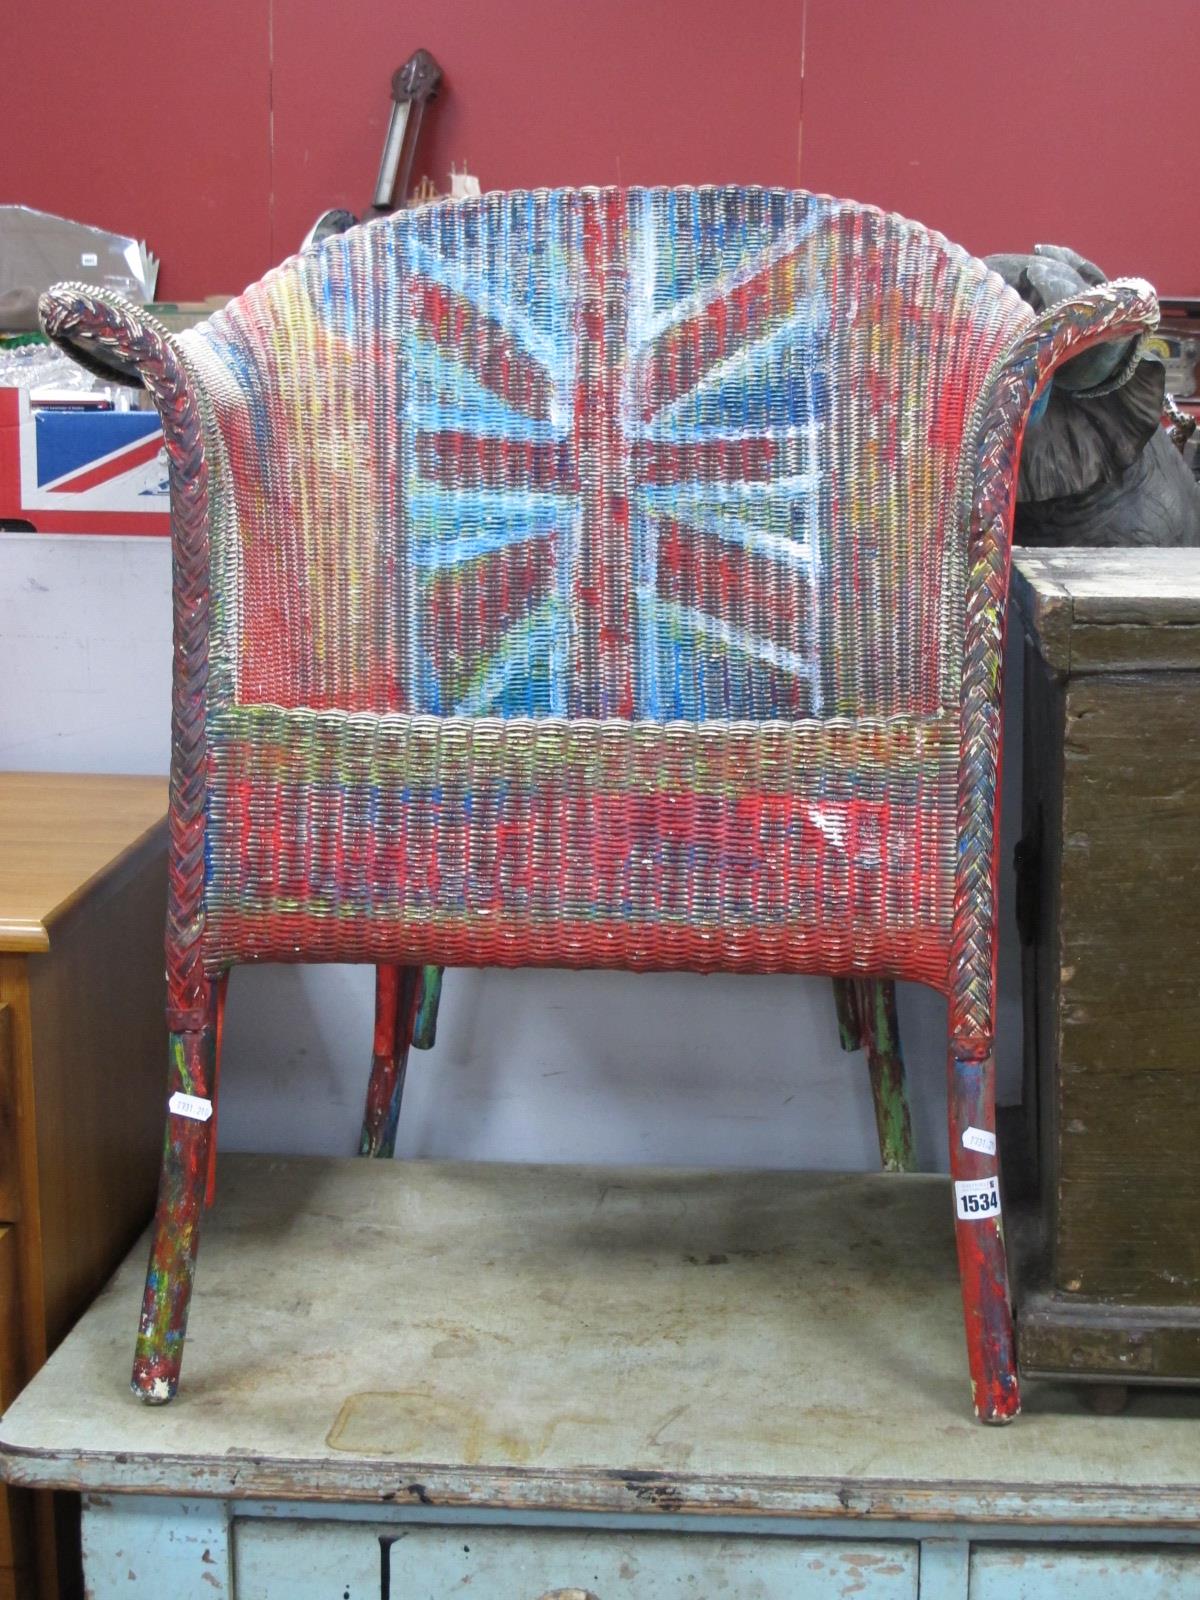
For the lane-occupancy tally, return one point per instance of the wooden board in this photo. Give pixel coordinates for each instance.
(82, 1062)
(338, 1558)
(1110, 894)
(97, 1009)
(1129, 1046)
(10, 1178)
(15, 1544)
(607, 1340)
(59, 833)
(1127, 585)
(1084, 607)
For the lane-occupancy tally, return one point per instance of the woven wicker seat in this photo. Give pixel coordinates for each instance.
(594, 578)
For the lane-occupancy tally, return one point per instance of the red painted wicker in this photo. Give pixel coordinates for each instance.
(594, 579)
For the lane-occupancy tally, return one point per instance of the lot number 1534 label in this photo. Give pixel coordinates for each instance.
(977, 1198)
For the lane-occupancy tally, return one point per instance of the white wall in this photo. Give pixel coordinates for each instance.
(529, 1066)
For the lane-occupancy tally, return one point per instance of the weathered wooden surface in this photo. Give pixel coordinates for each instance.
(140, 1547)
(137, 1552)
(1135, 585)
(1072, 1333)
(1017, 1572)
(566, 1565)
(600, 1340)
(1102, 594)
(1112, 986)
(1129, 1052)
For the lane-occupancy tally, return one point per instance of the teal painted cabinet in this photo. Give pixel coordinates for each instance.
(427, 1381)
(144, 1549)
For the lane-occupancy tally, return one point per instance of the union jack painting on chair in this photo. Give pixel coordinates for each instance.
(610, 462)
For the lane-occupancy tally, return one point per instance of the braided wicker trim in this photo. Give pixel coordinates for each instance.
(1115, 310)
(97, 324)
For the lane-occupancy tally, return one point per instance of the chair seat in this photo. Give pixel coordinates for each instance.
(753, 846)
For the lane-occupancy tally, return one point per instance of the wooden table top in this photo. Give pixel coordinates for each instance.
(60, 833)
(620, 1340)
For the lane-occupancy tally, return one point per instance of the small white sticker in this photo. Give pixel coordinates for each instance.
(89, 258)
(977, 1139)
(977, 1199)
(190, 1105)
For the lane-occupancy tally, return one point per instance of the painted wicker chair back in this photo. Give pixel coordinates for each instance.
(593, 579)
(588, 586)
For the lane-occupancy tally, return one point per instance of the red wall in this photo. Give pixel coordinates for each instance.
(218, 131)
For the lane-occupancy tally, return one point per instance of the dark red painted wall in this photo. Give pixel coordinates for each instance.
(218, 131)
(1013, 121)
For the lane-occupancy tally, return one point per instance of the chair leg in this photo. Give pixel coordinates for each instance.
(866, 1009)
(889, 1084)
(185, 1173)
(396, 996)
(428, 999)
(979, 1230)
(210, 1186)
(845, 998)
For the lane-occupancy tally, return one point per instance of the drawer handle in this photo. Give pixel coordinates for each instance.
(568, 1594)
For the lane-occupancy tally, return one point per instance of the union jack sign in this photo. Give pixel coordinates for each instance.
(65, 471)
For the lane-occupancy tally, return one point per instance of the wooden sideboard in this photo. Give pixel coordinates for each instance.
(82, 1069)
(1109, 915)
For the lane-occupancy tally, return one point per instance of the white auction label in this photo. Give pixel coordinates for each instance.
(977, 1198)
(190, 1105)
(977, 1139)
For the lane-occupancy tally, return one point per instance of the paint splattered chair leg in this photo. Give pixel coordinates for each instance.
(428, 1001)
(396, 996)
(181, 1192)
(221, 989)
(866, 1009)
(979, 1231)
(889, 1083)
(845, 998)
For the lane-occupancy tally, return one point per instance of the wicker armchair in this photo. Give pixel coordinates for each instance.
(591, 578)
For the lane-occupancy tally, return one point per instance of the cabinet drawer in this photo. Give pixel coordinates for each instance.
(296, 1561)
(1101, 1572)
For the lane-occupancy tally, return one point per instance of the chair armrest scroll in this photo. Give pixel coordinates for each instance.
(122, 342)
(104, 332)
(1111, 313)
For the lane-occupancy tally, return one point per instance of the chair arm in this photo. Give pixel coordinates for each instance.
(122, 342)
(1111, 313)
(992, 446)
